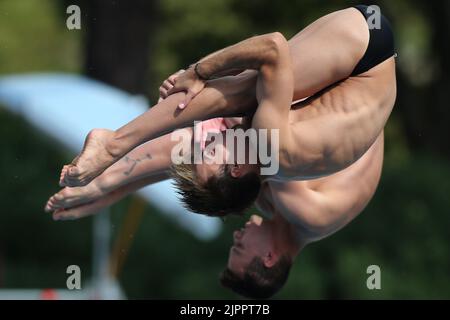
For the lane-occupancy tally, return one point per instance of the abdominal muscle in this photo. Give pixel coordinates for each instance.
(336, 127)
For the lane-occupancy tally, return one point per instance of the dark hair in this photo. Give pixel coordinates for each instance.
(220, 195)
(259, 281)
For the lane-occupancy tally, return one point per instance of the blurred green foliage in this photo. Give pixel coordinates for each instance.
(32, 38)
(404, 230)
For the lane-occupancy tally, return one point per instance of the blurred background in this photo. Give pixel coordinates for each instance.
(134, 45)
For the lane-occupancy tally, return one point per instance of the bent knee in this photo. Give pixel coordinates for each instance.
(353, 30)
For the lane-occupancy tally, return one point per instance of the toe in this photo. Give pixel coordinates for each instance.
(63, 172)
(56, 206)
(58, 197)
(63, 180)
(50, 206)
(73, 171)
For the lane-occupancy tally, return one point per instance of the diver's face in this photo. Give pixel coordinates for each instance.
(217, 155)
(254, 240)
(214, 158)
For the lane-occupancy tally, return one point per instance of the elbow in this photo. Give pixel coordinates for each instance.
(277, 45)
(277, 39)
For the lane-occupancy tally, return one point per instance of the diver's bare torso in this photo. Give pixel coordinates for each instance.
(321, 207)
(335, 126)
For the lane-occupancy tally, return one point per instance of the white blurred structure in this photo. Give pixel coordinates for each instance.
(66, 107)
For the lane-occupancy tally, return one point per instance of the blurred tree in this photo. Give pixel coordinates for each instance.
(117, 46)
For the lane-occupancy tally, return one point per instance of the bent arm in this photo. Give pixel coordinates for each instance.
(274, 91)
(268, 54)
(272, 58)
(252, 53)
(224, 97)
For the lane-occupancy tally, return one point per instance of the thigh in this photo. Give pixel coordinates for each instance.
(327, 51)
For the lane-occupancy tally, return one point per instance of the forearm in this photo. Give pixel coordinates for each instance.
(251, 53)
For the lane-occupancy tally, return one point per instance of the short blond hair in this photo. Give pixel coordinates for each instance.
(220, 195)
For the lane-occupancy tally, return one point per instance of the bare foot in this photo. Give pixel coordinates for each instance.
(62, 175)
(85, 210)
(72, 197)
(91, 162)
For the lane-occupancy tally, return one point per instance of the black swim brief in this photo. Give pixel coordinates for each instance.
(381, 43)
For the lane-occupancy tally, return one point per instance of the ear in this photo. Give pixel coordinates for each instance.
(270, 259)
(236, 171)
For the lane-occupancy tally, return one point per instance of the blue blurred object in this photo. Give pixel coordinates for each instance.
(67, 107)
